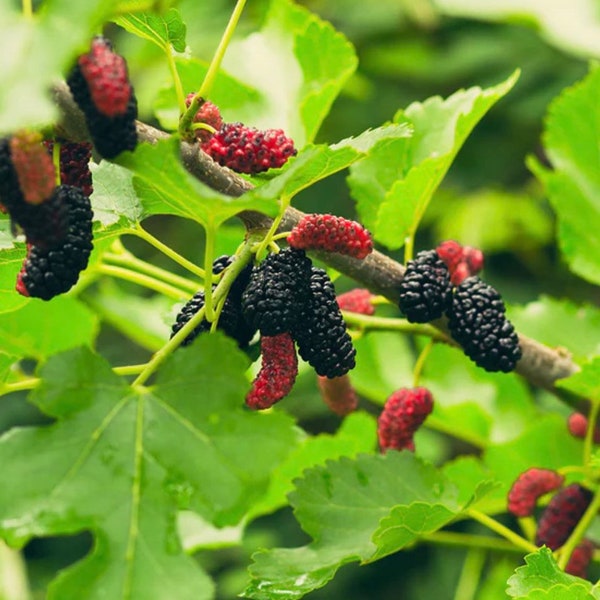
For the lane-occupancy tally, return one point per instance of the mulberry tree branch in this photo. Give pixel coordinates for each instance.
(541, 365)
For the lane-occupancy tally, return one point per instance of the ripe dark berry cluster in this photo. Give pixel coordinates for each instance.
(359, 300)
(277, 373)
(462, 261)
(74, 163)
(338, 394)
(528, 487)
(402, 415)
(51, 270)
(100, 86)
(249, 150)
(208, 113)
(333, 234)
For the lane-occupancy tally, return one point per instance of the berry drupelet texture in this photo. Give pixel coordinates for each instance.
(425, 289)
(358, 301)
(276, 291)
(249, 150)
(561, 515)
(402, 415)
(320, 330)
(74, 163)
(48, 272)
(477, 322)
(462, 261)
(101, 88)
(332, 234)
(528, 487)
(580, 559)
(338, 394)
(277, 373)
(208, 113)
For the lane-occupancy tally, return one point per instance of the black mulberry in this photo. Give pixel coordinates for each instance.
(425, 289)
(276, 292)
(241, 281)
(320, 330)
(74, 163)
(477, 322)
(47, 272)
(100, 86)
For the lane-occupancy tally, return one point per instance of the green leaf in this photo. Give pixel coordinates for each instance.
(163, 30)
(394, 185)
(541, 575)
(573, 186)
(39, 329)
(341, 506)
(585, 382)
(11, 260)
(164, 186)
(309, 62)
(121, 462)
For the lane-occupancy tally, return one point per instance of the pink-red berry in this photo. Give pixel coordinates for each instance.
(338, 394)
(402, 415)
(578, 424)
(74, 163)
(528, 487)
(561, 515)
(208, 113)
(462, 261)
(249, 150)
(331, 233)
(358, 300)
(277, 373)
(580, 559)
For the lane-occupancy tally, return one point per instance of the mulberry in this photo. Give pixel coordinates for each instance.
(580, 559)
(425, 289)
(561, 516)
(528, 487)
(578, 423)
(358, 301)
(101, 88)
(333, 234)
(47, 272)
(338, 394)
(241, 281)
(208, 113)
(477, 322)
(276, 290)
(74, 164)
(320, 330)
(462, 261)
(402, 415)
(249, 150)
(277, 373)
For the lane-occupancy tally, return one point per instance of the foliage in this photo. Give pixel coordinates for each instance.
(114, 434)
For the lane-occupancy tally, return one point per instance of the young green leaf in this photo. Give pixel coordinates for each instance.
(121, 462)
(163, 30)
(397, 181)
(573, 186)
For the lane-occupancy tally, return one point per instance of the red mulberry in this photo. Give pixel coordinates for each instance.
(278, 371)
(580, 559)
(208, 113)
(462, 261)
(561, 516)
(47, 272)
(477, 322)
(74, 164)
(249, 150)
(425, 289)
(403, 414)
(578, 423)
(276, 291)
(333, 234)
(338, 394)
(320, 330)
(528, 487)
(357, 301)
(101, 88)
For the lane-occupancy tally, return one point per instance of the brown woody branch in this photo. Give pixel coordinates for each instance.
(540, 365)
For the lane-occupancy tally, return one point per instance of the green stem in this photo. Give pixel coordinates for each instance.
(390, 324)
(501, 530)
(209, 252)
(27, 9)
(580, 529)
(185, 123)
(269, 237)
(243, 258)
(56, 161)
(129, 369)
(470, 575)
(141, 279)
(19, 386)
(588, 442)
(469, 540)
(136, 264)
(528, 527)
(176, 79)
(174, 256)
(421, 362)
(409, 245)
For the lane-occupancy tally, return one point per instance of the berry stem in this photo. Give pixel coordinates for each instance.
(501, 530)
(167, 251)
(129, 369)
(528, 527)
(588, 442)
(19, 386)
(209, 253)
(577, 534)
(128, 260)
(185, 123)
(229, 276)
(421, 362)
(56, 161)
(367, 322)
(141, 279)
(176, 79)
(268, 239)
(470, 574)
